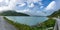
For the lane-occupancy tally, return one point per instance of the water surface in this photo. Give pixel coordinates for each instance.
(27, 19)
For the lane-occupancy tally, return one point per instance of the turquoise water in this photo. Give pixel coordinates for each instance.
(27, 20)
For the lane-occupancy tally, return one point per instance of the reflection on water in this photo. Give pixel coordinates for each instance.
(27, 19)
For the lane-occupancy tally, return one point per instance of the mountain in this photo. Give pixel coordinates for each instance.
(12, 13)
(55, 14)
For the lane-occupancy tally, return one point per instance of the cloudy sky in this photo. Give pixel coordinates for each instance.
(31, 7)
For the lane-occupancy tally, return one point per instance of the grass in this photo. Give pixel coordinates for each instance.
(41, 26)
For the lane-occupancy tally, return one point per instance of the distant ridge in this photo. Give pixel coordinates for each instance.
(55, 14)
(12, 13)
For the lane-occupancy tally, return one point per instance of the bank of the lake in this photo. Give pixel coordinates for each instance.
(28, 20)
(42, 26)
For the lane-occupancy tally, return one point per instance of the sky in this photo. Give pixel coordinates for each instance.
(31, 7)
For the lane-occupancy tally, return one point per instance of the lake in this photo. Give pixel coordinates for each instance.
(28, 20)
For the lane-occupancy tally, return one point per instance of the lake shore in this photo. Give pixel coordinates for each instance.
(46, 24)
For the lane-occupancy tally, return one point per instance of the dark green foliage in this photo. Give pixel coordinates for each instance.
(47, 24)
(55, 14)
(12, 13)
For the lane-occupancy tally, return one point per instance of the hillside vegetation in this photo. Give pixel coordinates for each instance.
(55, 14)
(12, 13)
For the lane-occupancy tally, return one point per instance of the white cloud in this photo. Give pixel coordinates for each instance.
(1, 0)
(33, 12)
(33, 1)
(23, 11)
(36, 0)
(21, 1)
(40, 3)
(4, 8)
(10, 6)
(51, 6)
(12, 3)
(47, 11)
(7, 1)
(29, 1)
(41, 6)
(21, 4)
(32, 5)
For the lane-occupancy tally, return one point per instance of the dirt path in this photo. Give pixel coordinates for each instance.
(5, 25)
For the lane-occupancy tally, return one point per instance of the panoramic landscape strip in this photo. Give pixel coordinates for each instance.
(29, 14)
(14, 13)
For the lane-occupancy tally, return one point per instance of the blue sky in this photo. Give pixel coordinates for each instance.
(31, 7)
(36, 5)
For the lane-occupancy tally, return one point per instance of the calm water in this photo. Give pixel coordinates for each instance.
(27, 20)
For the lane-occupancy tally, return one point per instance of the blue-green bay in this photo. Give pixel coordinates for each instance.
(28, 20)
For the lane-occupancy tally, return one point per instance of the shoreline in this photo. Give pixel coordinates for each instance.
(26, 27)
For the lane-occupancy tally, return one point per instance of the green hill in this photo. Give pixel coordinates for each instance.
(12, 13)
(55, 14)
